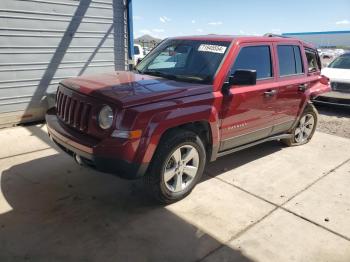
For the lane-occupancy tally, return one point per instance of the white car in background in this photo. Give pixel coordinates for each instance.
(139, 53)
(146, 50)
(338, 71)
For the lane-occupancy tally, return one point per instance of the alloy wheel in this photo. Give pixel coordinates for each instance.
(181, 168)
(305, 128)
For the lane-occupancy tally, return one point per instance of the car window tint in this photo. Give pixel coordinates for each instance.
(254, 58)
(136, 50)
(289, 60)
(286, 60)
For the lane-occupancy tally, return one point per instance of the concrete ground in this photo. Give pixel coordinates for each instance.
(267, 203)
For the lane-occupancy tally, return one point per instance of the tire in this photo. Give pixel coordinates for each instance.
(302, 134)
(160, 179)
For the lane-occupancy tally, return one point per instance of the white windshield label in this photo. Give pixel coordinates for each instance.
(212, 48)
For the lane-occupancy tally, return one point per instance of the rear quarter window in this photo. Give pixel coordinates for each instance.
(254, 58)
(313, 60)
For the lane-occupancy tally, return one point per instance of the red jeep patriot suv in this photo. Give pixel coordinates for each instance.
(188, 102)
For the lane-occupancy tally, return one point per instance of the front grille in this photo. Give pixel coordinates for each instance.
(341, 87)
(73, 111)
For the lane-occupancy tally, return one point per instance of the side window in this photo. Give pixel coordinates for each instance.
(254, 58)
(312, 61)
(298, 60)
(289, 60)
(136, 50)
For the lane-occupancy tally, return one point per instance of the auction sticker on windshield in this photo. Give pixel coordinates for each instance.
(212, 48)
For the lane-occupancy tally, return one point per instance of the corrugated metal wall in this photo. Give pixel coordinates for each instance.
(324, 39)
(45, 41)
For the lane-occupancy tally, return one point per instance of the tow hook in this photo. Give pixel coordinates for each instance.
(78, 159)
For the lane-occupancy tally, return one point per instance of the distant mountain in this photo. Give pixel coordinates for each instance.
(147, 40)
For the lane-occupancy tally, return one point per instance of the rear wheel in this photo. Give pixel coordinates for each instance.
(177, 166)
(305, 129)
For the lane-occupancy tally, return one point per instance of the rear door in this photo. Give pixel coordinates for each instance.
(292, 82)
(248, 111)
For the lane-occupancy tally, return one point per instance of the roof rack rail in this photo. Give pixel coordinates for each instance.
(275, 35)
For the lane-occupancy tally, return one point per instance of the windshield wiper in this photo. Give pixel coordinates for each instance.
(193, 78)
(161, 74)
(187, 78)
(138, 71)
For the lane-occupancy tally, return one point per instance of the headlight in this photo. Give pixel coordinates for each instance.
(105, 117)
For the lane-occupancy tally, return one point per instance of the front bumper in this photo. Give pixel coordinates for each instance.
(77, 144)
(334, 98)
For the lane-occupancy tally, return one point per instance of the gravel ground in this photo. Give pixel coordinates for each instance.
(334, 120)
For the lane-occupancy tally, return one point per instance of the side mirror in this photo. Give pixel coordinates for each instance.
(242, 77)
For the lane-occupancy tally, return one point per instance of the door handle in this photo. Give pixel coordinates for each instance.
(270, 93)
(303, 87)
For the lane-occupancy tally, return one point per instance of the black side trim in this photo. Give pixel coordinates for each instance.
(245, 138)
(283, 127)
(271, 138)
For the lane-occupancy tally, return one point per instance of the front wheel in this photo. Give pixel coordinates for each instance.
(305, 129)
(177, 166)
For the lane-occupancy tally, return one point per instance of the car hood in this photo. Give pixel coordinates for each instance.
(128, 89)
(337, 74)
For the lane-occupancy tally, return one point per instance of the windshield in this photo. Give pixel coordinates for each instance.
(186, 60)
(342, 62)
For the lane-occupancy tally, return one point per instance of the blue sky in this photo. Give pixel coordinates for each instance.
(187, 17)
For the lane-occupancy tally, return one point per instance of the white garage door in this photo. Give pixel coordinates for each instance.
(45, 41)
